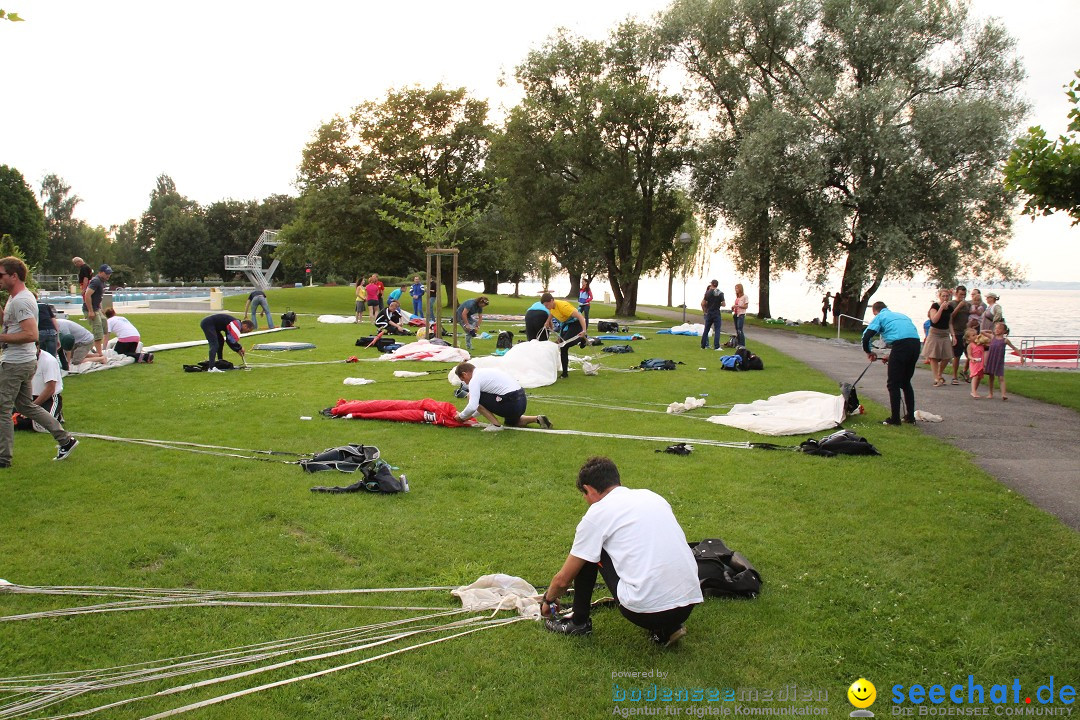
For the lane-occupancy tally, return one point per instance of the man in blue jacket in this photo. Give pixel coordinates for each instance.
(900, 334)
(223, 329)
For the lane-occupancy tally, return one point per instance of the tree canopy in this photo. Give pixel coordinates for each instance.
(22, 217)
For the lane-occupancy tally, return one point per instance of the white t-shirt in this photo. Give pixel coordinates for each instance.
(21, 306)
(122, 328)
(488, 380)
(48, 370)
(81, 335)
(657, 570)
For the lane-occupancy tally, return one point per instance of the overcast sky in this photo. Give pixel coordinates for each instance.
(223, 95)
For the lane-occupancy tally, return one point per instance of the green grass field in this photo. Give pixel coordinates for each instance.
(912, 567)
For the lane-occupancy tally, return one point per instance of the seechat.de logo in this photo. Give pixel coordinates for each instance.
(862, 695)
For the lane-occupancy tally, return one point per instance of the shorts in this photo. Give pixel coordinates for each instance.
(360, 305)
(959, 348)
(99, 325)
(373, 303)
(79, 353)
(509, 407)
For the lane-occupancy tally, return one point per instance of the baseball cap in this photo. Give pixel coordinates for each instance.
(105, 269)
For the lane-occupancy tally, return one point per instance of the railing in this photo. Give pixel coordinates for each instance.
(1050, 350)
(850, 317)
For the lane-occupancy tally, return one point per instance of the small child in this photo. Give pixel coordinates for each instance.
(994, 362)
(976, 349)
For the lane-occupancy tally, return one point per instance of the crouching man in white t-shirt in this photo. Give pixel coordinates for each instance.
(633, 540)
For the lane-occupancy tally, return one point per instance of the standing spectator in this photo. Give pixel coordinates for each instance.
(48, 335)
(371, 292)
(837, 306)
(825, 308)
(45, 388)
(994, 365)
(584, 299)
(396, 293)
(992, 314)
(433, 295)
(92, 296)
(20, 333)
(76, 342)
(899, 332)
(379, 284)
(710, 305)
(469, 315)
(939, 344)
(978, 307)
(85, 273)
(257, 299)
(958, 325)
(416, 292)
(127, 337)
(361, 298)
(738, 313)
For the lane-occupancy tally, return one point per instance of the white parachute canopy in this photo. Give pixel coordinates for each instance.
(793, 413)
(533, 364)
(500, 592)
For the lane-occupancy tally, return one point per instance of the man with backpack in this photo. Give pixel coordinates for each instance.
(633, 540)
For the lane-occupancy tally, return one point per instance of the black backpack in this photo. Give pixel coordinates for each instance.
(505, 341)
(750, 361)
(724, 572)
(657, 364)
(288, 318)
(376, 475)
(606, 326)
(841, 442)
(618, 349)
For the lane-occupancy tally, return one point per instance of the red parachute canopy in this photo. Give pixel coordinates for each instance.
(427, 410)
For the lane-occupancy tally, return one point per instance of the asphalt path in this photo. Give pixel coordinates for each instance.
(1028, 445)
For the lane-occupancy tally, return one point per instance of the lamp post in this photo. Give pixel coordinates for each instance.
(684, 240)
(496, 282)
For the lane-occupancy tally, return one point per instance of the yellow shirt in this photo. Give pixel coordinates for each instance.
(562, 310)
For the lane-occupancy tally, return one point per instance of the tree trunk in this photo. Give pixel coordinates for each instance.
(626, 306)
(670, 283)
(850, 298)
(764, 278)
(517, 288)
(491, 286)
(575, 284)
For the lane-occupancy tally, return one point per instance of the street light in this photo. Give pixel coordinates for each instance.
(684, 240)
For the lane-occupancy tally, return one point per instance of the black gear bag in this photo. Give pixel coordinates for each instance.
(724, 572)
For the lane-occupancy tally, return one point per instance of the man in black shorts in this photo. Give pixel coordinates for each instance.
(492, 392)
(958, 326)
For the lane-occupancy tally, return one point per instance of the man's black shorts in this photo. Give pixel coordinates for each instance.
(509, 407)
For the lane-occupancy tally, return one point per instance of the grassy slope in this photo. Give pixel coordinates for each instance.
(885, 567)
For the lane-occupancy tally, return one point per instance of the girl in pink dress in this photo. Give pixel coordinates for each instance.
(976, 350)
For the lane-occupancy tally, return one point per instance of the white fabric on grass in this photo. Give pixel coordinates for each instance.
(500, 592)
(113, 360)
(196, 343)
(357, 381)
(428, 352)
(533, 364)
(336, 319)
(793, 413)
(688, 404)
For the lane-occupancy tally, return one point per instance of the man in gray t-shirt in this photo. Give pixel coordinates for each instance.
(19, 363)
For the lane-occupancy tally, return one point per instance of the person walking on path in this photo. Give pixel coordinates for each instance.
(257, 299)
(825, 308)
(711, 305)
(19, 364)
(939, 344)
(898, 332)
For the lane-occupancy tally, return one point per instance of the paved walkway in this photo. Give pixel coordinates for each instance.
(1028, 445)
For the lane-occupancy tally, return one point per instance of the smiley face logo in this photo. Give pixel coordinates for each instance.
(862, 693)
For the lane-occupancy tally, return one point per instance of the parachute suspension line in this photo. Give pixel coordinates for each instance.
(649, 438)
(721, 406)
(603, 406)
(193, 444)
(194, 448)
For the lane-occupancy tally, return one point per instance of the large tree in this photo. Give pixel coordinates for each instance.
(599, 144)
(1048, 172)
(163, 197)
(64, 231)
(438, 136)
(21, 217)
(183, 247)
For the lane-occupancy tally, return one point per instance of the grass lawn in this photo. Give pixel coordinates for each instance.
(912, 567)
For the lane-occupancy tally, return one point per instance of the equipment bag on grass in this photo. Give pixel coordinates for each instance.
(605, 326)
(382, 343)
(618, 349)
(376, 475)
(841, 442)
(505, 341)
(288, 318)
(724, 572)
(204, 366)
(658, 364)
(750, 361)
(731, 362)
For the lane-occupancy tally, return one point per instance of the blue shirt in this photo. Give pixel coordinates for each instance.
(538, 306)
(396, 295)
(417, 291)
(892, 326)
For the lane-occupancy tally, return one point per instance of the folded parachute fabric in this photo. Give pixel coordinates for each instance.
(357, 381)
(635, 336)
(684, 329)
(500, 592)
(197, 343)
(432, 412)
(408, 374)
(428, 352)
(689, 404)
(793, 413)
(336, 319)
(533, 364)
(113, 360)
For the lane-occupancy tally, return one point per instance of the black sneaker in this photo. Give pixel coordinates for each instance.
(910, 419)
(671, 639)
(542, 421)
(567, 626)
(66, 449)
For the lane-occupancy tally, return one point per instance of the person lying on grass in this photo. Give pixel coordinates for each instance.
(492, 392)
(633, 540)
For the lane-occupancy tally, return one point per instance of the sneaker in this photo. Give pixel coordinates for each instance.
(672, 639)
(910, 419)
(567, 626)
(66, 449)
(890, 421)
(542, 421)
